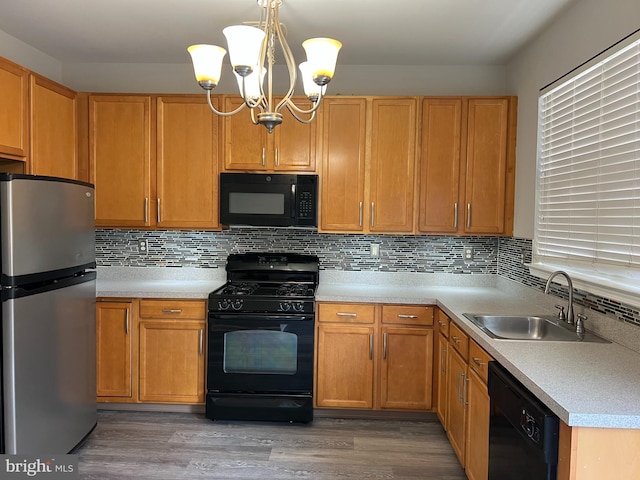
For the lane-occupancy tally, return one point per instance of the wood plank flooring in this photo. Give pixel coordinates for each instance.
(173, 446)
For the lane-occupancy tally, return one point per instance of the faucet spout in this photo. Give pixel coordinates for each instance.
(570, 318)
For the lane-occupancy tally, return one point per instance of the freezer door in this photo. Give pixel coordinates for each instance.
(49, 367)
(46, 225)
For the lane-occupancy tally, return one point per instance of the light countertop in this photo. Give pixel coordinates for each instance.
(585, 384)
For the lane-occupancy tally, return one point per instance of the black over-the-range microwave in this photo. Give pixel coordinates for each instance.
(269, 199)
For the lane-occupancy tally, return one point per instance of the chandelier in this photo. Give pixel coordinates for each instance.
(252, 56)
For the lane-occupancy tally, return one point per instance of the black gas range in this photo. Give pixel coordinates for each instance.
(261, 339)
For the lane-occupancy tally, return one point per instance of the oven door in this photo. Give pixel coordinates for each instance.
(260, 353)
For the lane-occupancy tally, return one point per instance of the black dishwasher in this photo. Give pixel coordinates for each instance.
(523, 432)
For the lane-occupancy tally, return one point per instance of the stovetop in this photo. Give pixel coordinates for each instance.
(267, 282)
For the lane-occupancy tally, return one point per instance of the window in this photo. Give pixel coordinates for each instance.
(588, 182)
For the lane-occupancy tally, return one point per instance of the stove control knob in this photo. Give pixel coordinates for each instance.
(223, 304)
(298, 307)
(237, 304)
(285, 306)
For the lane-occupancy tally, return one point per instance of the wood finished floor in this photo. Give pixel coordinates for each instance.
(175, 446)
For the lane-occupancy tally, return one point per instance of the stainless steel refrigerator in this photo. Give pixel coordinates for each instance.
(47, 362)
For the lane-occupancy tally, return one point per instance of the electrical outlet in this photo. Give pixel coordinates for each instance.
(143, 246)
(468, 253)
(375, 250)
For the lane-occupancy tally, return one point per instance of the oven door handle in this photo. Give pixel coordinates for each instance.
(260, 317)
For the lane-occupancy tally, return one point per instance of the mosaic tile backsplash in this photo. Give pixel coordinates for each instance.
(504, 256)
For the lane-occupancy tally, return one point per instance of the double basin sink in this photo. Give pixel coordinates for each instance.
(530, 327)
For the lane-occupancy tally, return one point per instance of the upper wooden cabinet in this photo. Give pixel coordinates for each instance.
(186, 163)
(14, 113)
(342, 177)
(368, 164)
(120, 152)
(290, 148)
(154, 161)
(54, 129)
(467, 165)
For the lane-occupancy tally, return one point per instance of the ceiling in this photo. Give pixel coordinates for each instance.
(373, 32)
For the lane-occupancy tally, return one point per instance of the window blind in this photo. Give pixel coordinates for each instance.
(588, 183)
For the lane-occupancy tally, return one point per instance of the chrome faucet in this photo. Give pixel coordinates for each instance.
(569, 317)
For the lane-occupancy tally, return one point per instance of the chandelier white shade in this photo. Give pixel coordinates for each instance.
(252, 56)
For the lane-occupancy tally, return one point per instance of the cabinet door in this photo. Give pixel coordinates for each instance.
(343, 164)
(245, 144)
(295, 142)
(172, 361)
(456, 408)
(406, 368)
(393, 158)
(442, 366)
(54, 125)
(14, 90)
(113, 350)
(344, 366)
(486, 167)
(120, 159)
(186, 163)
(477, 452)
(439, 176)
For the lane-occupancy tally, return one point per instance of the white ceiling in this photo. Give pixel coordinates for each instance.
(373, 32)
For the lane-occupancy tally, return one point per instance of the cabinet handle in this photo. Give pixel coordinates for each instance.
(263, 156)
(126, 322)
(360, 221)
(442, 324)
(477, 361)
(345, 314)
(201, 340)
(158, 212)
(443, 353)
(457, 341)
(371, 346)
(455, 215)
(465, 386)
(468, 215)
(402, 315)
(146, 210)
(171, 310)
(384, 346)
(277, 158)
(373, 214)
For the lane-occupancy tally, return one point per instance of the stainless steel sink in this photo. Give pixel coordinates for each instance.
(529, 327)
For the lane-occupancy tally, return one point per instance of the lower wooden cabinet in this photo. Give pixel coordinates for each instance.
(372, 356)
(477, 441)
(456, 419)
(345, 366)
(166, 348)
(114, 357)
(463, 399)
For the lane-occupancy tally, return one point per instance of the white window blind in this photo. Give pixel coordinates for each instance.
(588, 183)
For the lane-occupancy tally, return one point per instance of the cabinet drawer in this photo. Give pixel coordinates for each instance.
(172, 309)
(346, 313)
(459, 340)
(443, 322)
(479, 360)
(407, 314)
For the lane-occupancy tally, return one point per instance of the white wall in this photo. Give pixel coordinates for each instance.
(19, 52)
(582, 31)
(349, 79)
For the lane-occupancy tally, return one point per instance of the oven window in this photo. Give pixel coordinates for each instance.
(260, 352)
(256, 203)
